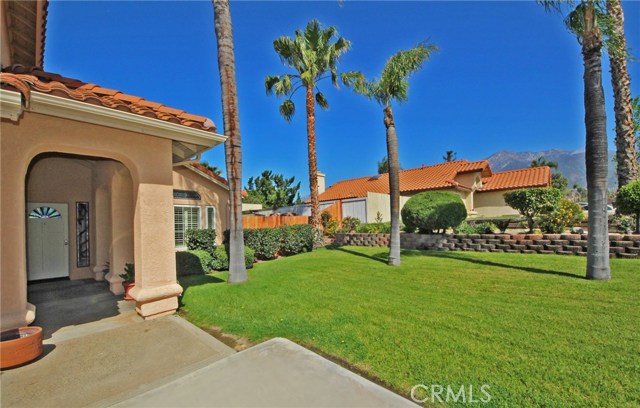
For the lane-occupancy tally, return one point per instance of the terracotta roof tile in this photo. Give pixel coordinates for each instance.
(439, 176)
(209, 173)
(27, 79)
(514, 179)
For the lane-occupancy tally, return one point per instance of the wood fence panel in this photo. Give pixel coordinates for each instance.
(335, 210)
(255, 222)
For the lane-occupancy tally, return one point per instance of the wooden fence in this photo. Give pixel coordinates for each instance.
(335, 210)
(255, 221)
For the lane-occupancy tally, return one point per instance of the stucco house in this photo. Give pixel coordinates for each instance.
(480, 188)
(93, 178)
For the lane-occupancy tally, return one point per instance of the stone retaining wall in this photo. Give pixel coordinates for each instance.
(621, 246)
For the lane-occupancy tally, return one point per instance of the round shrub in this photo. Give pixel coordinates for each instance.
(628, 201)
(220, 260)
(433, 210)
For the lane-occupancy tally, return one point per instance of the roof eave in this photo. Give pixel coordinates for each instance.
(84, 112)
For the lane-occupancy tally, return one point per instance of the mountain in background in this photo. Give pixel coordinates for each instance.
(570, 163)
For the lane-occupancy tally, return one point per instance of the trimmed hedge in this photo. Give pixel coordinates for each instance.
(201, 239)
(196, 262)
(433, 210)
(220, 260)
(268, 243)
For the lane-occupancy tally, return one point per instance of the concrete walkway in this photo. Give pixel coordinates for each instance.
(276, 373)
(117, 359)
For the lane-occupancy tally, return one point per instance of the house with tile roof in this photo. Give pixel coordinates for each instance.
(93, 178)
(480, 188)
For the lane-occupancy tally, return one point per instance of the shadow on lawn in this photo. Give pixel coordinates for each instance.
(463, 257)
(379, 257)
(196, 280)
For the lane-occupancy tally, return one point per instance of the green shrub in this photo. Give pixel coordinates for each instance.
(201, 239)
(532, 202)
(325, 217)
(267, 242)
(220, 260)
(350, 224)
(296, 239)
(479, 228)
(433, 210)
(196, 262)
(286, 240)
(374, 228)
(628, 201)
(502, 224)
(565, 216)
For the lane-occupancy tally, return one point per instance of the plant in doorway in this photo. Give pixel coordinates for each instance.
(129, 277)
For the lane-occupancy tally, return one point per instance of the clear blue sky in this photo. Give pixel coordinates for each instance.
(508, 75)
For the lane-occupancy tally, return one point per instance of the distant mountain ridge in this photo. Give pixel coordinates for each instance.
(570, 163)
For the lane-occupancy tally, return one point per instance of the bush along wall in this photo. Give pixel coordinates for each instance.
(268, 243)
(621, 246)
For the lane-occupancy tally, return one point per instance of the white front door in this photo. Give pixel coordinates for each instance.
(47, 241)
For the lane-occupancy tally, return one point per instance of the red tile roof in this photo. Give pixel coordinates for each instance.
(209, 173)
(25, 80)
(523, 178)
(439, 176)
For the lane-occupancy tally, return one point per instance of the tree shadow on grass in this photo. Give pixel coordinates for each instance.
(379, 257)
(196, 280)
(462, 257)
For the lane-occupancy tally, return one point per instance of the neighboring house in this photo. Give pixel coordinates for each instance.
(88, 178)
(481, 190)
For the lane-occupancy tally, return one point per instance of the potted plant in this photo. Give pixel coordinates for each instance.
(129, 277)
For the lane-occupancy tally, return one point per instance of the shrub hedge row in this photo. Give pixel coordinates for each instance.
(268, 243)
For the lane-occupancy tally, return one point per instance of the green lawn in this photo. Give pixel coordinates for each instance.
(529, 326)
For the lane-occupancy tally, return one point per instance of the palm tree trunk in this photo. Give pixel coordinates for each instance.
(394, 186)
(232, 146)
(626, 157)
(313, 160)
(596, 150)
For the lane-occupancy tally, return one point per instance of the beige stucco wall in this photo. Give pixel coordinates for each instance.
(491, 204)
(380, 202)
(148, 160)
(211, 195)
(62, 180)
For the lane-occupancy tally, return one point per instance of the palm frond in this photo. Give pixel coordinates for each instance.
(355, 80)
(270, 81)
(287, 109)
(322, 100)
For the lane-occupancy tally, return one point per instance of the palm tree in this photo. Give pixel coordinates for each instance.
(232, 146)
(313, 54)
(626, 156)
(393, 85)
(583, 21)
(541, 161)
(449, 156)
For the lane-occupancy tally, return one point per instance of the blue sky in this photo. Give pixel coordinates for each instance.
(508, 75)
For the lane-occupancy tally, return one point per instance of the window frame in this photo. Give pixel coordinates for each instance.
(183, 246)
(206, 216)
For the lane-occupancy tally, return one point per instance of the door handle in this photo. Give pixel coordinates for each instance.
(66, 242)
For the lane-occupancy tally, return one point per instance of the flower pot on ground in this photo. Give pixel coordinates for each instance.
(129, 277)
(19, 346)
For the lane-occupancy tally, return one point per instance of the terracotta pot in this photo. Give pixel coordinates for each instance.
(127, 287)
(19, 346)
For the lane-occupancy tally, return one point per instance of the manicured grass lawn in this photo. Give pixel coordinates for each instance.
(529, 326)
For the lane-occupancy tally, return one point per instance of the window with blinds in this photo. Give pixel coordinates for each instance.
(185, 218)
(211, 217)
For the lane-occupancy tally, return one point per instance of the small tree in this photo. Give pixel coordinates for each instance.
(628, 201)
(433, 210)
(449, 156)
(532, 202)
(272, 190)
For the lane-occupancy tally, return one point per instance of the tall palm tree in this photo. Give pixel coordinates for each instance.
(449, 156)
(313, 54)
(232, 146)
(393, 85)
(583, 21)
(626, 156)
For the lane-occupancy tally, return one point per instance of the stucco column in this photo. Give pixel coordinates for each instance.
(101, 220)
(16, 311)
(121, 228)
(156, 290)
